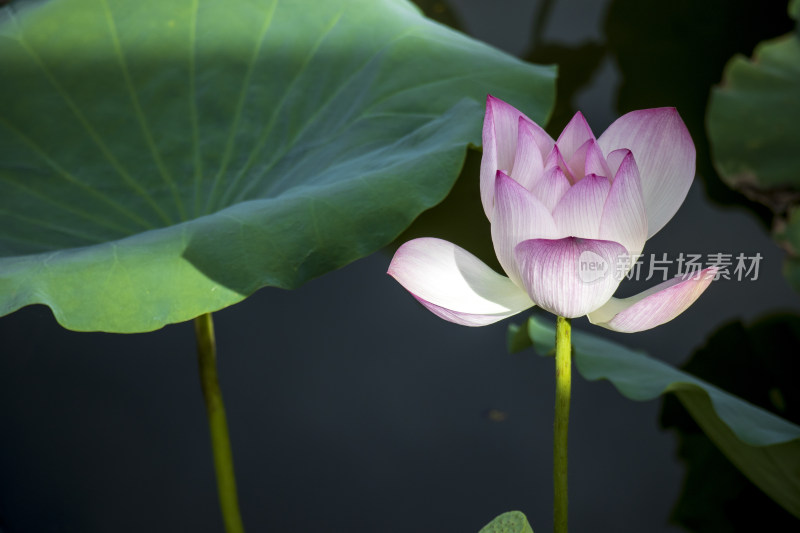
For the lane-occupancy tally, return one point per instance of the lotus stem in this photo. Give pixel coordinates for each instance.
(561, 425)
(218, 425)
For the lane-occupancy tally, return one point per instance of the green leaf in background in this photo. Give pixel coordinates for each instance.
(764, 447)
(753, 126)
(754, 122)
(510, 522)
(716, 497)
(159, 160)
(787, 233)
(674, 59)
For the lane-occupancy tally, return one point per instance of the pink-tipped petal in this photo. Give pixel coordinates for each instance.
(499, 145)
(573, 136)
(555, 159)
(528, 160)
(569, 277)
(624, 219)
(665, 155)
(518, 216)
(454, 284)
(654, 306)
(578, 212)
(577, 163)
(542, 139)
(552, 187)
(595, 162)
(615, 159)
(588, 159)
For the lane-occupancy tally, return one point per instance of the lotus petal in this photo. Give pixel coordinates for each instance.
(624, 218)
(528, 160)
(579, 211)
(454, 284)
(500, 125)
(569, 277)
(552, 187)
(518, 216)
(654, 306)
(573, 136)
(595, 161)
(665, 155)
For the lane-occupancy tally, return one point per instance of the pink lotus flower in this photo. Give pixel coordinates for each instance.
(564, 215)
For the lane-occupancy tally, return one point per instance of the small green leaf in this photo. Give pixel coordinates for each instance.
(791, 271)
(788, 236)
(510, 522)
(517, 338)
(160, 160)
(766, 448)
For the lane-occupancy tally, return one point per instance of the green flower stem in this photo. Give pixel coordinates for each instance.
(220, 442)
(563, 387)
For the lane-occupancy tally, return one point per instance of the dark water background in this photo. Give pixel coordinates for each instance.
(350, 407)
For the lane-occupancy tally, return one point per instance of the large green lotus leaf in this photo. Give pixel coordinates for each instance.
(159, 160)
(765, 447)
(758, 363)
(754, 122)
(510, 522)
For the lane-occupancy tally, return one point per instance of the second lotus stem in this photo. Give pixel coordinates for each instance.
(218, 425)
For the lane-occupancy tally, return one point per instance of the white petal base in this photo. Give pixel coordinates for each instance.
(454, 284)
